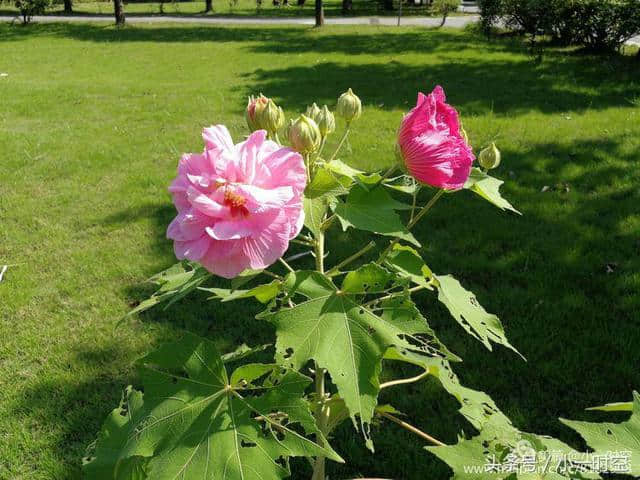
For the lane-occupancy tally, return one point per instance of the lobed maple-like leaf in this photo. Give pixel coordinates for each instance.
(374, 211)
(348, 339)
(194, 421)
(488, 187)
(608, 438)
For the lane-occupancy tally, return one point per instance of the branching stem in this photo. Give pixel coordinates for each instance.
(288, 267)
(402, 381)
(342, 140)
(411, 223)
(271, 274)
(394, 295)
(336, 270)
(413, 429)
(321, 412)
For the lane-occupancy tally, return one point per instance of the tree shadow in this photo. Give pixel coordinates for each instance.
(481, 85)
(76, 407)
(482, 78)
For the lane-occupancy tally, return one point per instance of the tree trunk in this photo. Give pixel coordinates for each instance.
(208, 6)
(444, 19)
(118, 10)
(347, 6)
(68, 6)
(319, 13)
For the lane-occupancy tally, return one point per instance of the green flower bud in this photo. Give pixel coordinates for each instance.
(349, 106)
(489, 157)
(326, 121)
(304, 135)
(313, 111)
(287, 129)
(270, 118)
(255, 106)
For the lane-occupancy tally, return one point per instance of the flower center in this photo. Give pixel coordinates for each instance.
(235, 202)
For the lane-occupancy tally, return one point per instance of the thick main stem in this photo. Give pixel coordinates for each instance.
(321, 411)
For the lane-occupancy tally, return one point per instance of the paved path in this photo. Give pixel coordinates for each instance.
(456, 22)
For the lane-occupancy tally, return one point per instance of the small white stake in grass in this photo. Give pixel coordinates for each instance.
(4, 269)
(4, 74)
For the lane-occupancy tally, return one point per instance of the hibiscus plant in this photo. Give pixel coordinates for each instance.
(200, 414)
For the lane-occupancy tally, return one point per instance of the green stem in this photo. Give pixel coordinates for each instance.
(306, 163)
(302, 242)
(411, 223)
(402, 381)
(336, 270)
(413, 429)
(394, 295)
(387, 174)
(288, 267)
(324, 140)
(321, 412)
(344, 137)
(415, 198)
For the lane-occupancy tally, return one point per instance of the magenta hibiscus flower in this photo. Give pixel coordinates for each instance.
(431, 144)
(238, 205)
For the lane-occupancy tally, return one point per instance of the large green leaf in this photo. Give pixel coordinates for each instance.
(347, 339)
(373, 211)
(500, 451)
(369, 278)
(175, 283)
(466, 310)
(406, 261)
(263, 293)
(488, 187)
(326, 184)
(614, 438)
(104, 454)
(196, 422)
(315, 210)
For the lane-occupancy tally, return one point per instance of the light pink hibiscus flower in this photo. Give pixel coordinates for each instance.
(238, 205)
(431, 144)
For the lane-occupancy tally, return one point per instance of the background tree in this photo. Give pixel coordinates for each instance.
(208, 6)
(68, 6)
(319, 13)
(118, 11)
(347, 6)
(444, 8)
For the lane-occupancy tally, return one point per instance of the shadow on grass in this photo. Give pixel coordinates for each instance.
(482, 81)
(77, 408)
(563, 277)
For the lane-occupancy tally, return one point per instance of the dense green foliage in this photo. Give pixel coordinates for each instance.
(84, 210)
(29, 8)
(596, 24)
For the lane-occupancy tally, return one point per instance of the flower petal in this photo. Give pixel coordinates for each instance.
(204, 204)
(217, 138)
(193, 249)
(261, 199)
(286, 167)
(231, 229)
(264, 249)
(225, 258)
(247, 152)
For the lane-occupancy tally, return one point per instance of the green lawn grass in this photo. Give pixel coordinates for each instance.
(332, 8)
(94, 119)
